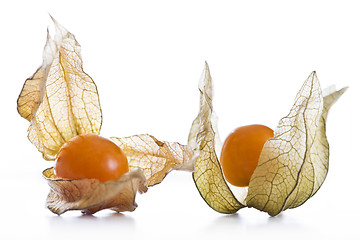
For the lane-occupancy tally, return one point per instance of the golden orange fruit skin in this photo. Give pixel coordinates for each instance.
(90, 156)
(241, 151)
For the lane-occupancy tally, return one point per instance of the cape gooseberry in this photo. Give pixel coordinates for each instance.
(90, 156)
(241, 151)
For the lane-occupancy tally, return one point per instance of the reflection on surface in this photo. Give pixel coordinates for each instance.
(75, 224)
(249, 222)
(228, 220)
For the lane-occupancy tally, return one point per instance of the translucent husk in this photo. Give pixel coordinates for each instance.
(91, 195)
(292, 166)
(61, 101)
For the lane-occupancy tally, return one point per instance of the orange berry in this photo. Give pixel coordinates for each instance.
(241, 151)
(90, 156)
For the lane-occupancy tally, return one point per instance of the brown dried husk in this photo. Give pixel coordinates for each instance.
(91, 195)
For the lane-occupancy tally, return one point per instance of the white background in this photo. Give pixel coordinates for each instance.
(146, 58)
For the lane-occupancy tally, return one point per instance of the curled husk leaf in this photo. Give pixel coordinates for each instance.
(91, 195)
(60, 100)
(203, 138)
(155, 158)
(292, 166)
(294, 163)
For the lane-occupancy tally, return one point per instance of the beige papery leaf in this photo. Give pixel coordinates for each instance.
(294, 163)
(91, 195)
(155, 158)
(60, 100)
(203, 139)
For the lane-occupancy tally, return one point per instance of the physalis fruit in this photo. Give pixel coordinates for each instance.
(241, 151)
(90, 156)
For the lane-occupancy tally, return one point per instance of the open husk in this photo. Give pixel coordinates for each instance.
(292, 166)
(61, 101)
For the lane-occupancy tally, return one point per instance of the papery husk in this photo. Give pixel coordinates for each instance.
(91, 195)
(294, 163)
(292, 166)
(203, 138)
(154, 157)
(60, 100)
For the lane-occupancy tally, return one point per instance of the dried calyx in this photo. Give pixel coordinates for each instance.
(61, 102)
(292, 165)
